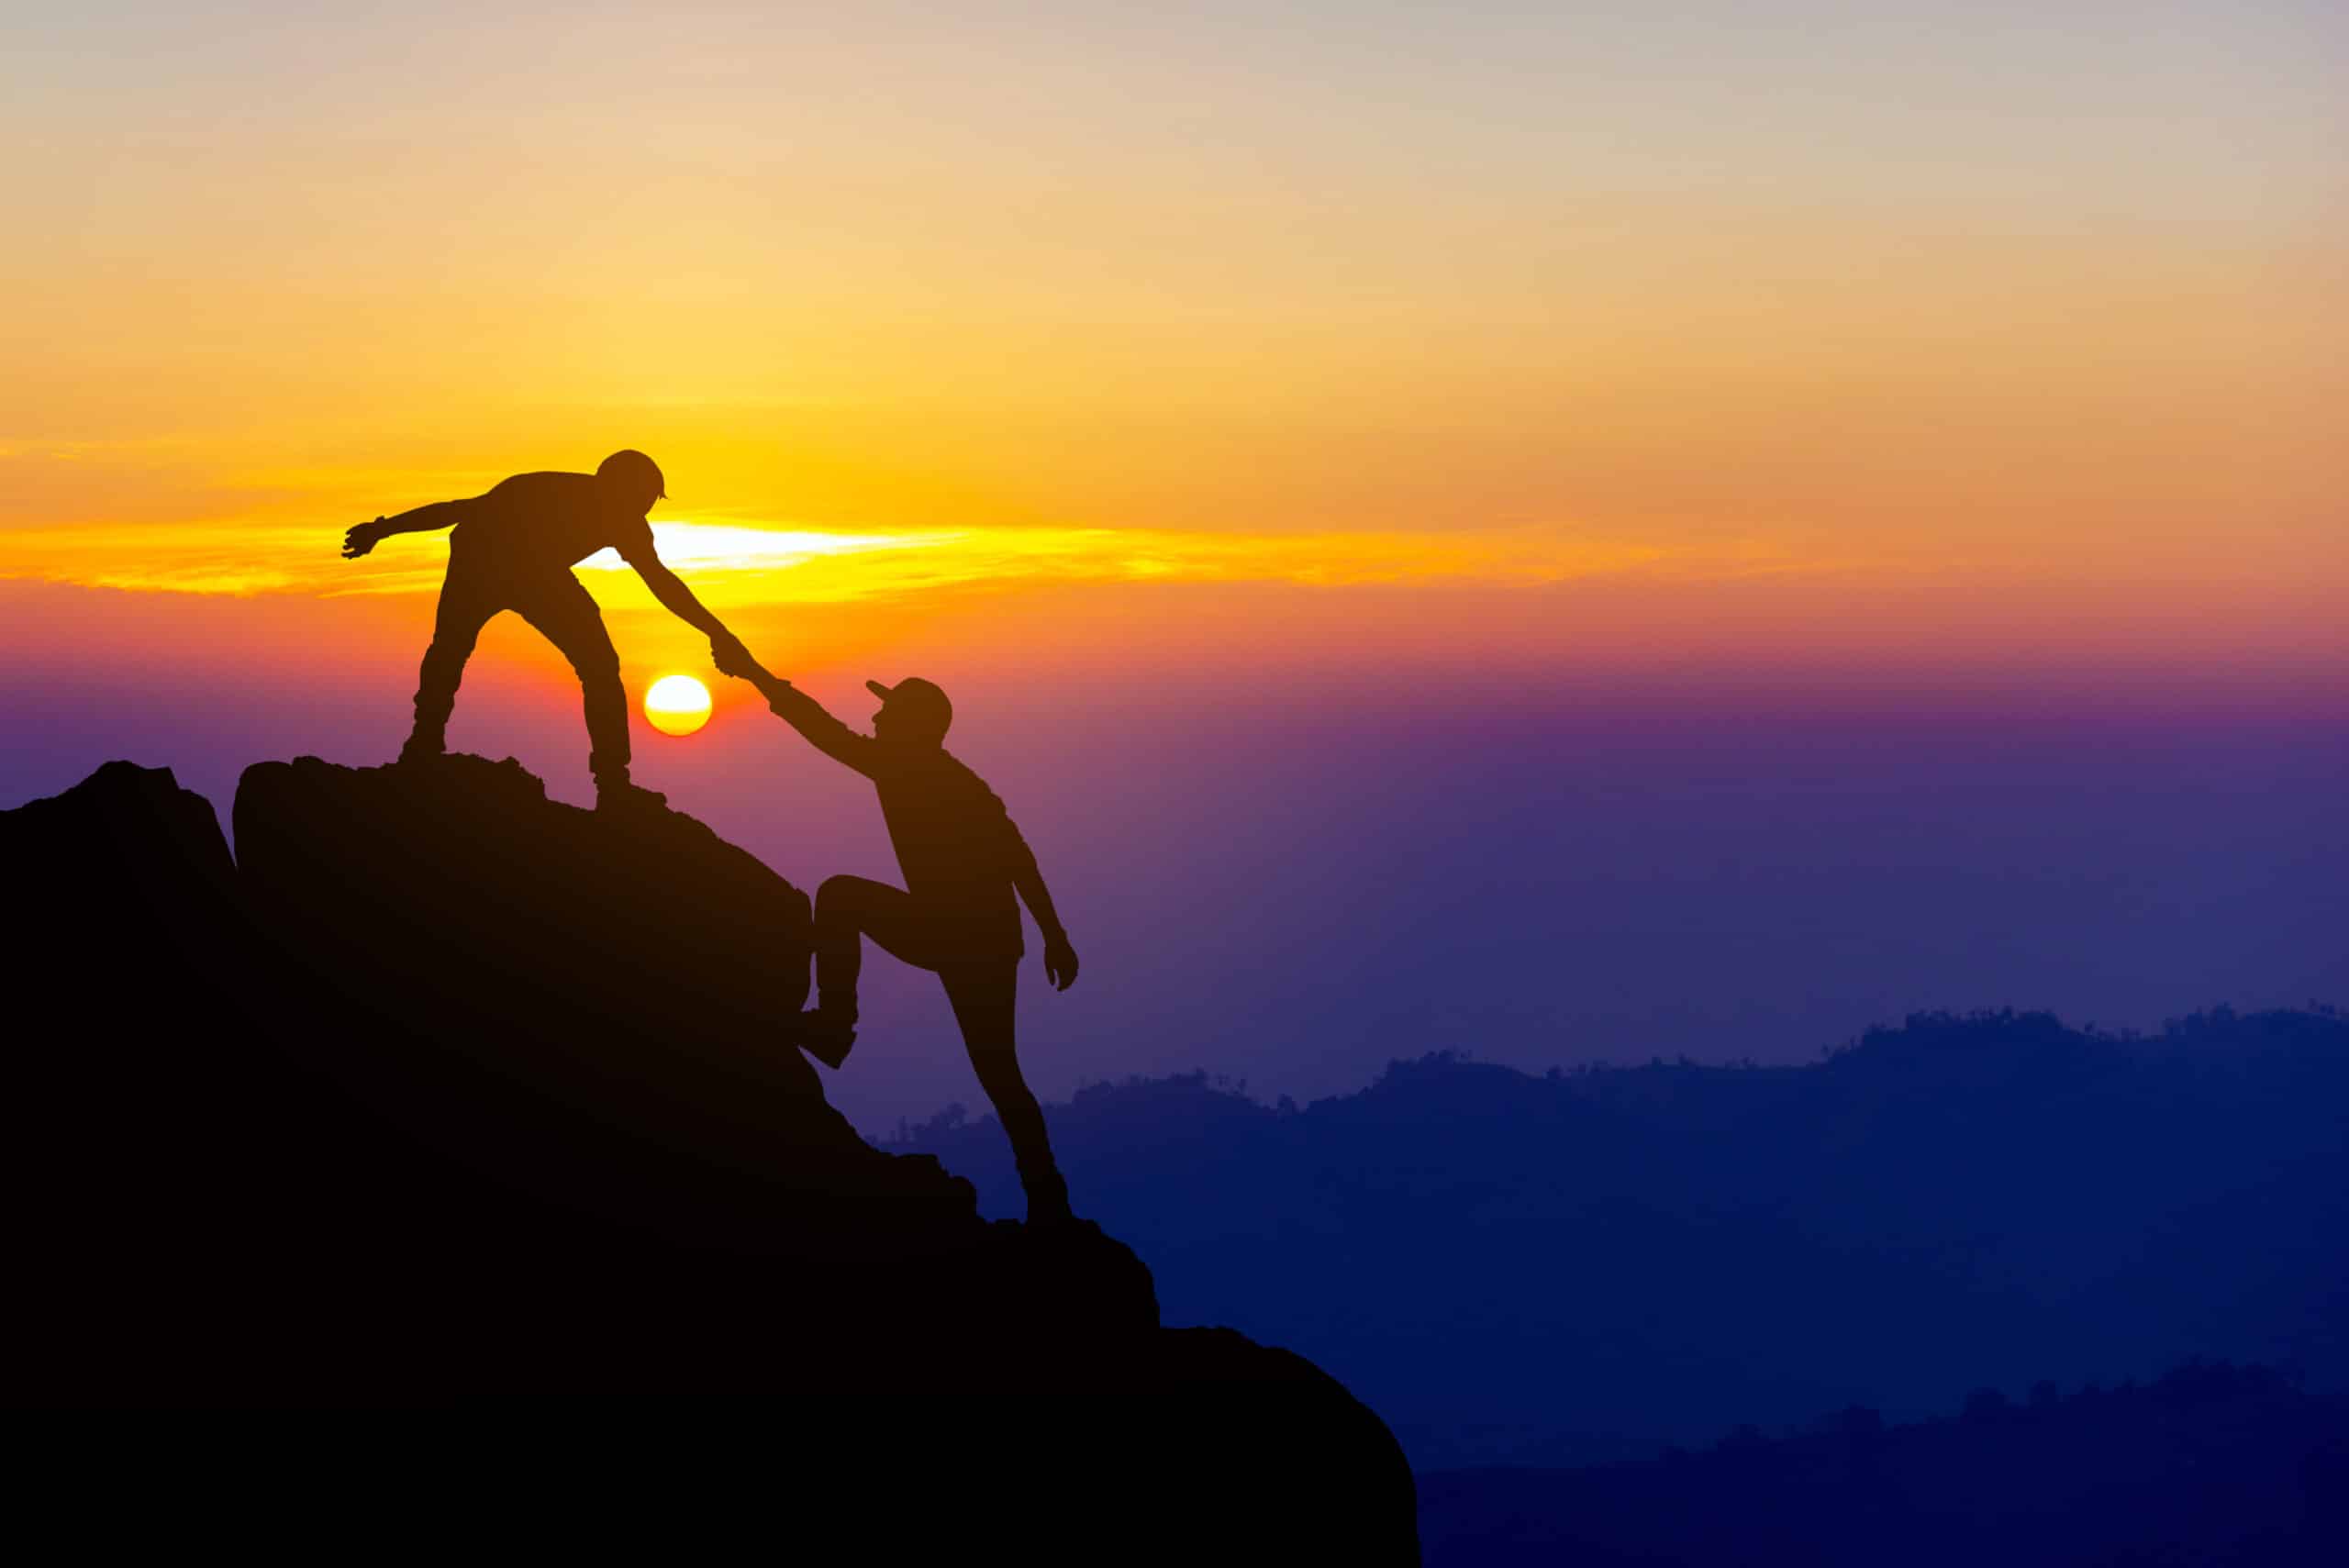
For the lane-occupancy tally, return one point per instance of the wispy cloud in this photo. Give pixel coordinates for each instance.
(734, 564)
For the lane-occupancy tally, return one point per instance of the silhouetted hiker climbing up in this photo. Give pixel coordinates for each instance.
(512, 551)
(963, 859)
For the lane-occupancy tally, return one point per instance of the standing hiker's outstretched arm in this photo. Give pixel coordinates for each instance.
(1060, 958)
(679, 601)
(358, 540)
(675, 597)
(806, 715)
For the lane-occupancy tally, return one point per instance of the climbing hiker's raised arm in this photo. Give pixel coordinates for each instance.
(806, 715)
(821, 730)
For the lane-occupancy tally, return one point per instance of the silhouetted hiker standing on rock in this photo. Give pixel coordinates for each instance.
(513, 549)
(964, 860)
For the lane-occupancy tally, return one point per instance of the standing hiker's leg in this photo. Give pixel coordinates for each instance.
(985, 999)
(467, 603)
(566, 614)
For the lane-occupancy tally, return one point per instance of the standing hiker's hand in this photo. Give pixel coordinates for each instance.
(358, 540)
(1060, 962)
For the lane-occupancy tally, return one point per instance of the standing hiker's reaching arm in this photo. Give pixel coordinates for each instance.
(678, 599)
(358, 540)
(1060, 959)
(806, 715)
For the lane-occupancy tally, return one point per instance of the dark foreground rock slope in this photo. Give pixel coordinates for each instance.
(455, 1116)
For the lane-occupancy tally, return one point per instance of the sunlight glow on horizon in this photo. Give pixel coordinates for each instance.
(733, 565)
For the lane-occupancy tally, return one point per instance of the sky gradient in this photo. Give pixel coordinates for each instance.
(1718, 524)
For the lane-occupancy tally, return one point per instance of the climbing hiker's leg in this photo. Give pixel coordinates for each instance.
(468, 601)
(848, 910)
(984, 997)
(796, 931)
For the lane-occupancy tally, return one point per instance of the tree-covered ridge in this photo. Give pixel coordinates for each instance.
(1530, 1268)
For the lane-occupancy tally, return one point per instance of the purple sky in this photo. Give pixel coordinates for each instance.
(1293, 880)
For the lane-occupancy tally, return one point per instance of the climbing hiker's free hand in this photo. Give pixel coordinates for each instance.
(358, 540)
(1060, 962)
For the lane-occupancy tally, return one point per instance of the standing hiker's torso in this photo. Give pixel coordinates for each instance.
(953, 842)
(550, 521)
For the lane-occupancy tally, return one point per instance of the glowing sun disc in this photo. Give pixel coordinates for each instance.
(676, 704)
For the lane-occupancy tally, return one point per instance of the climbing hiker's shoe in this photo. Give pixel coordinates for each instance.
(824, 1036)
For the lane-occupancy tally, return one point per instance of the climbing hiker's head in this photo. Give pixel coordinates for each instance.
(913, 712)
(633, 480)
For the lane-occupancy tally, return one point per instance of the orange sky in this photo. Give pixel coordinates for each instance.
(925, 306)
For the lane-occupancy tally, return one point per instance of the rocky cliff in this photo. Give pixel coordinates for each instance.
(448, 1105)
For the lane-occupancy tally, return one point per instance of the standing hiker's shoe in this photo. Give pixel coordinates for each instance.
(623, 795)
(419, 753)
(824, 1036)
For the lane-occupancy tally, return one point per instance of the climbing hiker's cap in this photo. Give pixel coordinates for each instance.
(918, 700)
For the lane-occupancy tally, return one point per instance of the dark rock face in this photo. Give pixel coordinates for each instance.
(563, 992)
(122, 1043)
(452, 1105)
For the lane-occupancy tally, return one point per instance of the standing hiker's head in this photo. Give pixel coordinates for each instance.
(632, 480)
(913, 712)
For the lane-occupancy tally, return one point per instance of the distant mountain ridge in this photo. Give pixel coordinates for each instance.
(2208, 1464)
(1555, 1270)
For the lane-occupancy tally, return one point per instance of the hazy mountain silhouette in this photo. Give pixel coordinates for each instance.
(455, 1117)
(1560, 1269)
(2209, 1464)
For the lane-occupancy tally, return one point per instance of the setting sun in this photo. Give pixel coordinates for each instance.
(677, 705)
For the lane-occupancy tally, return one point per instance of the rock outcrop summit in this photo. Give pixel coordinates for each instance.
(444, 1104)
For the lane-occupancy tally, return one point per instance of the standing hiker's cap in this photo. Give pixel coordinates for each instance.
(632, 467)
(918, 700)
